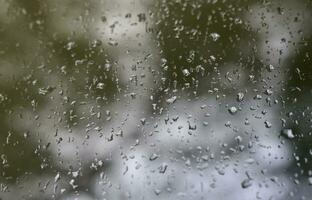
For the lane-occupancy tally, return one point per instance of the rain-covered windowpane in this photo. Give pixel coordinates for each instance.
(155, 99)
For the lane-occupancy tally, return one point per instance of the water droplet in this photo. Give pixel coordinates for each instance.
(310, 180)
(270, 68)
(240, 96)
(185, 72)
(103, 19)
(267, 124)
(153, 157)
(57, 177)
(163, 168)
(233, 110)
(70, 45)
(171, 100)
(214, 36)
(100, 86)
(143, 121)
(246, 183)
(288, 133)
(157, 191)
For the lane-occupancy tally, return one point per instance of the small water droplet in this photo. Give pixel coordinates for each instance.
(186, 72)
(240, 96)
(233, 110)
(171, 100)
(288, 133)
(214, 36)
(246, 183)
(267, 124)
(153, 157)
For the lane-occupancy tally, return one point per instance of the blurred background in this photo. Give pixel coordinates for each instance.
(146, 99)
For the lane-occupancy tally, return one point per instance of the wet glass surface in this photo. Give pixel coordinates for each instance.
(143, 99)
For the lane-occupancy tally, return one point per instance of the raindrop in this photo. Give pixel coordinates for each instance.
(171, 100)
(100, 86)
(157, 191)
(240, 96)
(163, 168)
(288, 133)
(270, 68)
(70, 45)
(153, 157)
(246, 183)
(186, 72)
(233, 110)
(103, 18)
(267, 124)
(214, 36)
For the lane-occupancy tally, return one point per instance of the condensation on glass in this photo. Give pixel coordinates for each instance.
(147, 99)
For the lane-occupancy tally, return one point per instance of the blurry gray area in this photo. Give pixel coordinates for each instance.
(142, 99)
